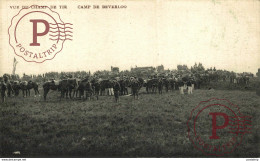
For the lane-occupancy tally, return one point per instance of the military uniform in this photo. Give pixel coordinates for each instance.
(110, 88)
(116, 88)
(189, 85)
(3, 89)
(181, 86)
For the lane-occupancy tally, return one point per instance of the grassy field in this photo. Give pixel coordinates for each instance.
(153, 126)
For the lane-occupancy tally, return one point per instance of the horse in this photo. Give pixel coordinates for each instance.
(27, 86)
(152, 85)
(124, 84)
(72, 84)
(50, 85)
(140, 83)
(104, 84)
(96, 87)
(85, 86)
(160, 85)
(166, 83)
(16, 87)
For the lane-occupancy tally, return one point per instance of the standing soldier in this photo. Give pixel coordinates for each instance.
(160, 85)
(117, 88)
(175, 84)
(89, 90)
(81, 89)
(110, 88)
(3, 89)
(189, 85)
(135, 88)
(181, 85)
(198, 82)
(10, 89)
(5, 78)
(192, 83)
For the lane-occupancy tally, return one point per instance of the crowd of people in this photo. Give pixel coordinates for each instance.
(94, 85)
(117, 84)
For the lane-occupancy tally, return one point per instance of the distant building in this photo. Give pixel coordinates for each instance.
(160, 69)
(114, 70)
(143, 69)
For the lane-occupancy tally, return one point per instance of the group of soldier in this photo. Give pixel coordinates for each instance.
(189, 85)
(94, 86)
(116, 86)
(12, 87)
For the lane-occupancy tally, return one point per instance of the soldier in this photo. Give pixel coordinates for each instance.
(192, 83)
(160, 85)
(52, 80)
(89, 90)
(117, 88)
(181, 86)
(135, 88)
(189, 85)
(3, 88)
(10, 90)
(62, 77)
(5, 78)
(110, 88)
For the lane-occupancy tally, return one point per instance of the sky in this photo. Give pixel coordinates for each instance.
(221, 34)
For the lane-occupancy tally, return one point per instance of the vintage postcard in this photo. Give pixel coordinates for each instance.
(130, 78)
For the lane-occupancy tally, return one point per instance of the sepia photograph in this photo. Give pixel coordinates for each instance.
(130, 79)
